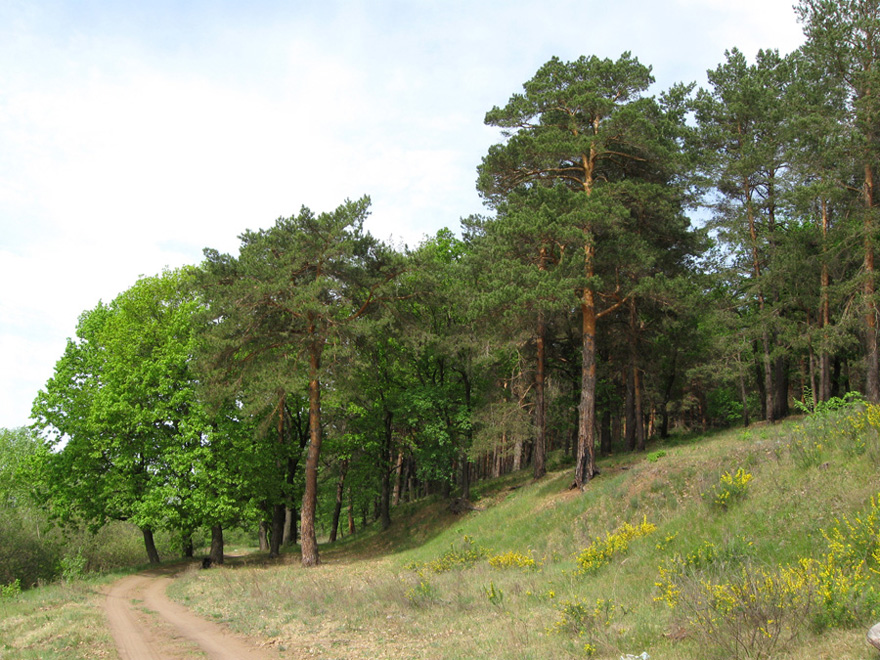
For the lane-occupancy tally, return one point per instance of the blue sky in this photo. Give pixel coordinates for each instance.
(134, 134)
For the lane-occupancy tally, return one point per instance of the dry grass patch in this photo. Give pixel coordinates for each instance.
(63, 622)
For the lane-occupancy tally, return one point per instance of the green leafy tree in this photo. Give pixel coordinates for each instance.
(294, 288)
(28, 549)
(122, 411)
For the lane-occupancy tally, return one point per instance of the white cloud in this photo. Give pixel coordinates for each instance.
(130, 141)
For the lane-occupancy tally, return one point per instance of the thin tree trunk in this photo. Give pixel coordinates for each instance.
(765, 337)
(780, 382)
(385, 495)
(539, 461)
(398, 479)
(337, 508)
(309, 545)
(150, 545)
(872, 362)
(825, 317)
(289, 536)
(278, 514)
(629, 405)
(263, 536)
(350, 512)
(744, 397)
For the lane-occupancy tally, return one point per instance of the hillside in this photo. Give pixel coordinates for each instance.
(789, 555)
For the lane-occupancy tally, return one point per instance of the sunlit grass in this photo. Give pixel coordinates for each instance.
(510, 583)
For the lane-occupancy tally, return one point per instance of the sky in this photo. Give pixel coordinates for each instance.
(135, 134)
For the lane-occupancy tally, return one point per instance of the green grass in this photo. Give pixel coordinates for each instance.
(61, 621)
(404, 594)
(378, 593)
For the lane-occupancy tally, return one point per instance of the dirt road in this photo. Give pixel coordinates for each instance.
(147, 625)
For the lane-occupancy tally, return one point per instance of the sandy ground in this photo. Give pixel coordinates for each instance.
(147, 625)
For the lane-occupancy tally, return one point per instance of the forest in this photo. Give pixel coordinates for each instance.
(649, 264)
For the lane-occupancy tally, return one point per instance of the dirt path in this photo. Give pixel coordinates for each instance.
(147, 625)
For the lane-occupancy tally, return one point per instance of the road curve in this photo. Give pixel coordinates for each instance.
(147, 625)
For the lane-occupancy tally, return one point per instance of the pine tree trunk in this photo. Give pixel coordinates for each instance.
(744, 397)
(825, 317)
(309, 540)
(150, 545)
(398, 479)
(585, 465)
(872, 362)
(539, 462)
(629, 405)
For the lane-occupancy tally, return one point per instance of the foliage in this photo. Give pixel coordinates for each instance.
(294, 290)
(10, 590)
(601, 551)
(133, 439)
(494, 595)
(730, 489)
(73, 568)
(513, 559)
(466, 554)
(588, 621)
(849, 427)
(753, 611)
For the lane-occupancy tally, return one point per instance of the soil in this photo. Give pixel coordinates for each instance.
(147, 625)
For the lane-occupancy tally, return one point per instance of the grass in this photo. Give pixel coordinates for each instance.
(61, 621)
(505, 581)
(379, 595)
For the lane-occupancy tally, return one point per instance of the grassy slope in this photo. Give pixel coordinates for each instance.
(366, 600)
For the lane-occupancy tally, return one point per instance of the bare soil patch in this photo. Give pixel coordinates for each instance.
(147, 625)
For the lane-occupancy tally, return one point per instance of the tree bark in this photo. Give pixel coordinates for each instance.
(263, 536)
(872, 362)
(309, 544)
(539, 460)
(277, 535)
(188, 550)
(825, 316)
(385, 493)
(150, 545)
(216, 544)
(585, 465)
(398, 479)
(350, 512)
(337, 508)
(289, 537)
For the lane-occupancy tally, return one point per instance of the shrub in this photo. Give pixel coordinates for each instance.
(10, 590)
(513, 560)
(601, 550)
(730, 489)
(592, 622)
(464, 556)
(756, 610)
